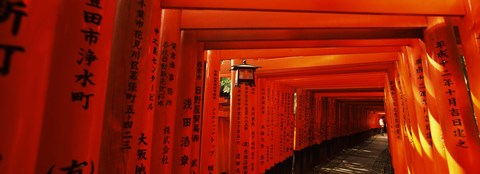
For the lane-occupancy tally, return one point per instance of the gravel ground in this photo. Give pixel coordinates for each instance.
(347, 161)
(383, 164)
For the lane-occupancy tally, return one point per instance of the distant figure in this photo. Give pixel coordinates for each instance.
(381, 121)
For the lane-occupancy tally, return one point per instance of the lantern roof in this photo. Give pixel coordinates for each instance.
(244, 65)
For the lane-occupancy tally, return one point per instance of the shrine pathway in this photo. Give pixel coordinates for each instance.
(371, 156)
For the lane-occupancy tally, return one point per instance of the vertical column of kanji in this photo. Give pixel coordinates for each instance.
(311, 130)
(261, 128)
(184, 112)
(76, 87)
(417, 150)
(318, 118)
(403, 116)
(390, 119)
(26, 46)
(166, 93)
(329, 119)
(197, 109)
(305, 119)
(235, 124)
(268, 124)
(210, 114)
(343, 119)
(397, 122)
(298, 121)
(287, 111)
(470, 36)
(334, 115)
(271, 131)
(281, 121)
(438, 145)
(252, 116)
(420, 104)
(291, 120)
(324, 125)
(127, 130)
(308, 119)
(403, 113)
(456, 116)
(312, 118)
(154, 59)
(245, 128)
(275, 132)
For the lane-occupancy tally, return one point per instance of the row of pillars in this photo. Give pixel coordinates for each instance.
(429, 107)
(116, 87)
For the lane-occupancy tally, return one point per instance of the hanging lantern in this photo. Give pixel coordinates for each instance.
(245, 73)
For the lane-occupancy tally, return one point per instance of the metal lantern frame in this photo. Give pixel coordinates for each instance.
(245, 73)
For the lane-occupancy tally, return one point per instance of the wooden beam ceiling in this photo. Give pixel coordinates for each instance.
(402, 7)
(307, 34)
(292, 52)
(225, 19)
(221, 45)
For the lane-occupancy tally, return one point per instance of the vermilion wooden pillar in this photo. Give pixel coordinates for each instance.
(469, 29)
(452, 98)
(197, 109)
(210, 114)
(183, 140)
(126, 135)
(438, 149)
(76, 88)
(269, 124)
(400, 161)
(25, 56)
(300, 121)
(166, 97)
(235, 125)
(392, 121)
(261, 127)
(419, 97)
(409, 99)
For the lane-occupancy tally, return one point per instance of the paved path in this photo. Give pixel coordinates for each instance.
(371, 156)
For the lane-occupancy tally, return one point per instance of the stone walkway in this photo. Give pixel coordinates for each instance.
(371, 156)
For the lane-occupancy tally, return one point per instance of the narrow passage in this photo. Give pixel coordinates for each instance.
(371, 156)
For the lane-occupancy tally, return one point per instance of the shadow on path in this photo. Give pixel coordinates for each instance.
(371, 156)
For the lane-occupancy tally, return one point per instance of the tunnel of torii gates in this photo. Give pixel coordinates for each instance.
(133, 86)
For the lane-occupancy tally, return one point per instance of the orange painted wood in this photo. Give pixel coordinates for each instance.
(183, 141)
(419, 97)
(439, 153)
(261, 127)
(410, 113)
(76, 90)
(166, 93)
(127, 129)
(471, 49)
(210, 115)
(23, 87)
(294, 52)
(448, 7)
(235, 125)
(395, 129)
(456, 116)
(305, 43)
(228, 19)
(197, 109)
(307, 34)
